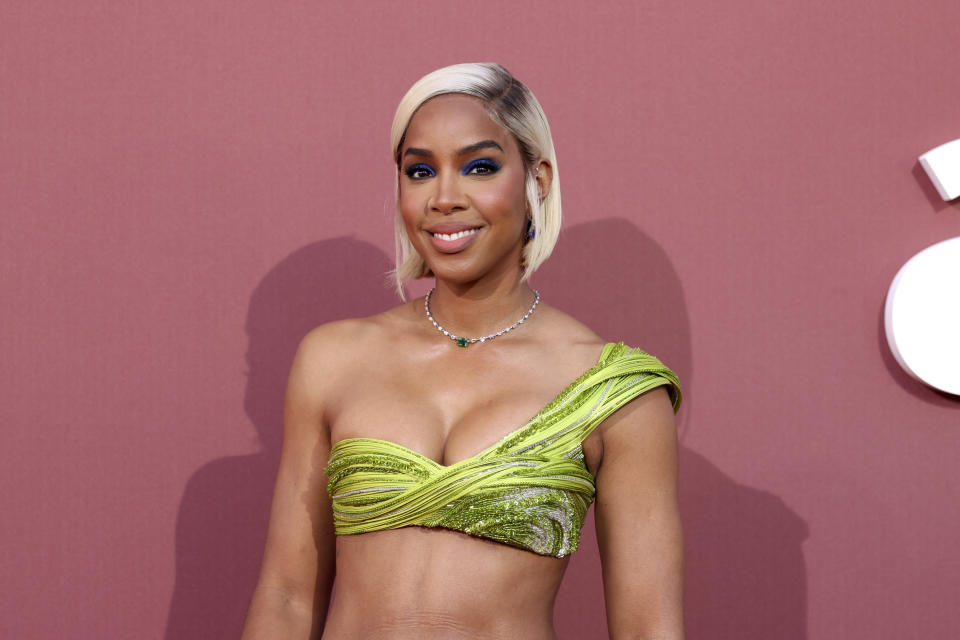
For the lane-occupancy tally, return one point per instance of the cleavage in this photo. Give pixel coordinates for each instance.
(447, 428)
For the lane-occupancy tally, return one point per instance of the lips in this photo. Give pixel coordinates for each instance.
(451, 226)
(452, 238)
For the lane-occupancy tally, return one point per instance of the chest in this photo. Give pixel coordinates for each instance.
(446, 412)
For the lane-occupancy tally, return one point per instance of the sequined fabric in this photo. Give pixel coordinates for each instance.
(529, 490)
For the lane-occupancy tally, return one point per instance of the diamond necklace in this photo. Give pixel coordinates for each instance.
(464, 342)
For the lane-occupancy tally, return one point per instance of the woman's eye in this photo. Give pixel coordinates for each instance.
(419, 172)
(481, 167)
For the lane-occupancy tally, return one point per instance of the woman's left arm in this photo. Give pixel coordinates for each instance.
(638, 521)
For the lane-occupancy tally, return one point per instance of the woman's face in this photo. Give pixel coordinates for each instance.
(462, 194)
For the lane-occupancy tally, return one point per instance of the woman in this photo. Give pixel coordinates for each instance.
(410, 466)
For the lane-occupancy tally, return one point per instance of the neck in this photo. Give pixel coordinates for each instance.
(478, 310)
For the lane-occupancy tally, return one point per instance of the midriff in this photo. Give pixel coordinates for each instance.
(424, 583)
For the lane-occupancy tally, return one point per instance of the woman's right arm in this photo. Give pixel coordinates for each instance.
(291, 596)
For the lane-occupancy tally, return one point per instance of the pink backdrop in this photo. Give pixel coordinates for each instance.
(187, 187)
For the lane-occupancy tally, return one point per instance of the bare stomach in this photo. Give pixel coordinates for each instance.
(435, 583)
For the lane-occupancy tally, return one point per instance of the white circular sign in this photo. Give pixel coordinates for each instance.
(922, 316)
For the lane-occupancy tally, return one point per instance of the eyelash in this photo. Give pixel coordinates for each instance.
(488, 167)
(414, 168)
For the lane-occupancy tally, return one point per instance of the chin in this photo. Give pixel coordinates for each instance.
(470, 266)
(456, 276)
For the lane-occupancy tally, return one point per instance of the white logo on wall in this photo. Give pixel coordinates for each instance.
(922, 314)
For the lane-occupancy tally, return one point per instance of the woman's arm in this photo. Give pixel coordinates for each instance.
(293, 591)
(638, 521)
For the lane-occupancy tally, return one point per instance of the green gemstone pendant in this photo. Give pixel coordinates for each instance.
(462, 342)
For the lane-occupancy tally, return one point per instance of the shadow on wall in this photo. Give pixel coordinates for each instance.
(745, 575)
(222, 524)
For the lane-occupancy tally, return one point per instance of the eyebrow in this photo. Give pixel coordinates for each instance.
(470, 148)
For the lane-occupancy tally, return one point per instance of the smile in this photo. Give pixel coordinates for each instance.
(454, 236)
(453, 242)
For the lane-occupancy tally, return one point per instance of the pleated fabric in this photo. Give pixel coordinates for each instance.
(530, 490)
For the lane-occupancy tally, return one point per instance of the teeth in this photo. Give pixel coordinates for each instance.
(454, 236)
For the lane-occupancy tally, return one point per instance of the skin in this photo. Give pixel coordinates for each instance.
(393, 377)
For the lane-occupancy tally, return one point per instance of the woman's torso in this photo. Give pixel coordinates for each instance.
(419, 390)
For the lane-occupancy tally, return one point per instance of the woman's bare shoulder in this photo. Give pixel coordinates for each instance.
(562, 328)
(336, 344)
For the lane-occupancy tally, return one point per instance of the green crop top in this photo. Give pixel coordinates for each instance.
(530, 490)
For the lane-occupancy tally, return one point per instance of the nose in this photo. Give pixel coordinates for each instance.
(448, 196)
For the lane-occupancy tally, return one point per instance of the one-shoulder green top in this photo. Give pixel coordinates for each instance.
(530, 490)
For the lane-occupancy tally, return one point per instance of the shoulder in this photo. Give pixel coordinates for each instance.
(566, 337)
(339, 345)
(637, 372)
(333, 358)
(642, 396)
(332, 343)
(636, 414)
(335, 339)
(560, 325)
(629, 364)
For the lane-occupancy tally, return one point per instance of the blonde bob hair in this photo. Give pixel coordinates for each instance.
(512, 106)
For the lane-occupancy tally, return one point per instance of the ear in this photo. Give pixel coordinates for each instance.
(543, 174)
